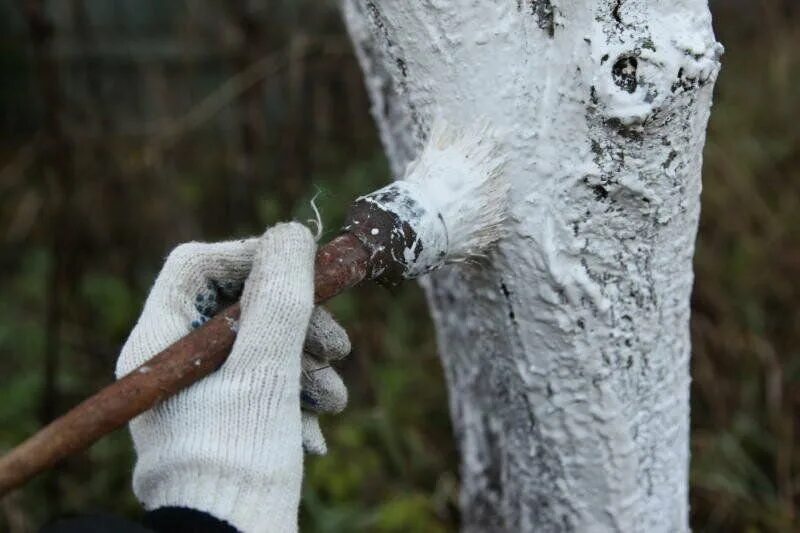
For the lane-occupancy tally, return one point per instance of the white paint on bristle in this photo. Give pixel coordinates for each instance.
(454, 196)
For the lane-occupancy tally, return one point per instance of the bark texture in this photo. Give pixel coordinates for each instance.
(567, 352)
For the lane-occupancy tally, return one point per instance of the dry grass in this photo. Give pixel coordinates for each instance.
(746, 325)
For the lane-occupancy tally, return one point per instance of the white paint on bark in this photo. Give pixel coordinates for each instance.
(567, 355)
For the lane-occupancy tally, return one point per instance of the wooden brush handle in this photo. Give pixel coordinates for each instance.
(340, 264)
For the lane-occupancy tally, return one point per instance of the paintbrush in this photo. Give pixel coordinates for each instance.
(449, 207)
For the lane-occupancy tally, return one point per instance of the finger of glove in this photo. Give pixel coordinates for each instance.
(197, 277)
(313, 439)
(321, 388)
(326, 339)
(185, 294)
(277, 299)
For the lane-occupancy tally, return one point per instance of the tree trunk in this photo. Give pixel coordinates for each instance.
(567, 352)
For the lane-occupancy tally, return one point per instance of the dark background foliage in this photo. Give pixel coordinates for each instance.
(129, 126)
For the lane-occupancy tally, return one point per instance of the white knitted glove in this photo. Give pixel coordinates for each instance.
(230, 445)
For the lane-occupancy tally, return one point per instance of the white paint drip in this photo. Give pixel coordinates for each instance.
(233, 325)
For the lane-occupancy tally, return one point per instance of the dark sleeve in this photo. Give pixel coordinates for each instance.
(163, 520)
(184, 520)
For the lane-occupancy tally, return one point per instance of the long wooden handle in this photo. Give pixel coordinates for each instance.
(340, 264)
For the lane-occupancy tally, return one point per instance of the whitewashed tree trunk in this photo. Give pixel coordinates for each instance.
(567, 352)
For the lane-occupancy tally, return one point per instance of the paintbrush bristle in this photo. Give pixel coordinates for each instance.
(450, 206)
(460, 177)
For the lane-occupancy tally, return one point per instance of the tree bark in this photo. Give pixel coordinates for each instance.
(567, 351)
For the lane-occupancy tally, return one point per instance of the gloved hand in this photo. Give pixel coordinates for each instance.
(230, 445)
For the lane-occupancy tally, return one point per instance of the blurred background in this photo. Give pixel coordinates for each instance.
(129, 126)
